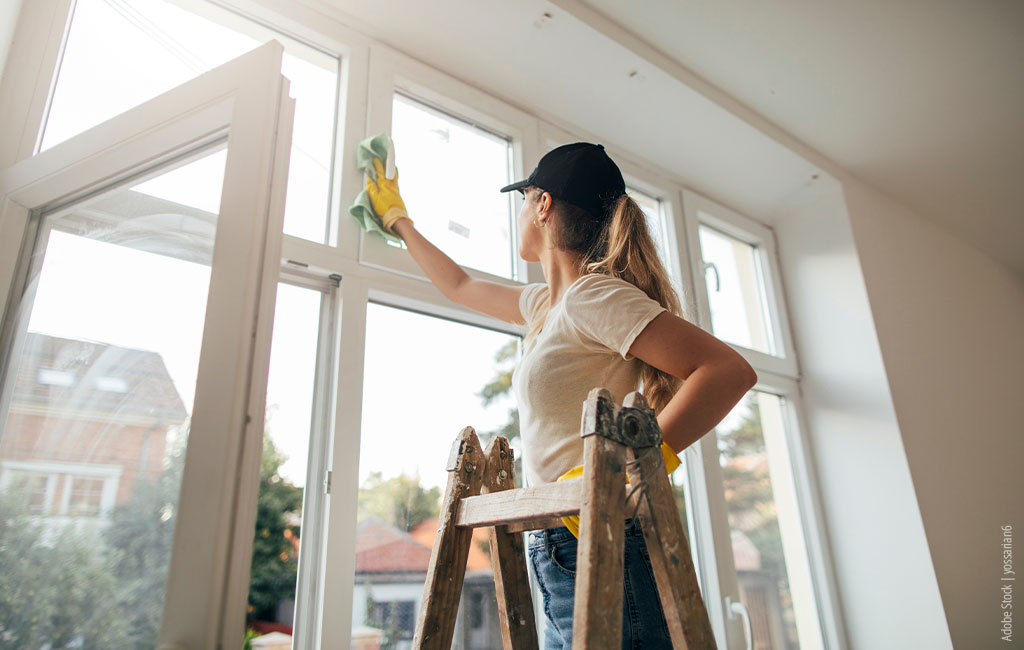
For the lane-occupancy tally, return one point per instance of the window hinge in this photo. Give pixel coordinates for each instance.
(327, 483)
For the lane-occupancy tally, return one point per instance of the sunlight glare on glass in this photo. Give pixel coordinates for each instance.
(450, 172)
(121, 53)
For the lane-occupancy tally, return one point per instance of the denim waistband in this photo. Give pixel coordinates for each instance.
(539, 538)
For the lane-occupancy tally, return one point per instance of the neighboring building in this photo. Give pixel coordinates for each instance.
(391, 567)
(83, 424)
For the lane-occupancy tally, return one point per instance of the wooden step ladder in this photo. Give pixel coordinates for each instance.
(480, 492)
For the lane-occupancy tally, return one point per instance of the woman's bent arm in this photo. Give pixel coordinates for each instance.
(715, 377)
(489, 298)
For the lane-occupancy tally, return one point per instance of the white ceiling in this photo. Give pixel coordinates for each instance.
(922, 99)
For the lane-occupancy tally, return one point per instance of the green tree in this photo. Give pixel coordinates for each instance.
(56, 586)
(748, 488)
(500, 385)
(274, 566)
(400, 501)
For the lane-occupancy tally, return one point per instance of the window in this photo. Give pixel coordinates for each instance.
(396, 617)
(735, 285)
(416, 399)
(86, 496)
(120, 53)
(768, 544)
(51, 377)
(285, 457)
(450, 174)
(34, 490)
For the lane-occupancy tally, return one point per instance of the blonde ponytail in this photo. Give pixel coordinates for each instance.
(627, 251)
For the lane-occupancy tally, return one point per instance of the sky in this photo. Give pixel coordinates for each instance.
(421, 373)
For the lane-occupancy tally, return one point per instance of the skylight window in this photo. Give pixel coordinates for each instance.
(112, 385)
(53, 377)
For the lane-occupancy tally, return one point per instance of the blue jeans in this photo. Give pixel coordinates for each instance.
(553, 555)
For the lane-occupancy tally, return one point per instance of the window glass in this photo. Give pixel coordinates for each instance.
(286, 435)
(653, 211)
(119, 294)
(736, 293)
(767, 537)
(416, 399)
(121, 53)
(450, 172)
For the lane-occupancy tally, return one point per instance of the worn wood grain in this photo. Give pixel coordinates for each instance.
(685, 612)
(541, 502)
(442, 589)
(508, 558)
(597, 609)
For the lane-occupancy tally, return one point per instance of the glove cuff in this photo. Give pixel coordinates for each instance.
(391, 216)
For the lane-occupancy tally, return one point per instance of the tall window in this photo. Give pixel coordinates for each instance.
(416, 399)
(735, 285)
(451, 171)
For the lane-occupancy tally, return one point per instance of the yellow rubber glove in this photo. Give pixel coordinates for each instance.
(385, 199)
(572, 522)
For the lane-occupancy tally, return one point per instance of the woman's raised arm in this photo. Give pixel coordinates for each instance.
(491, 298)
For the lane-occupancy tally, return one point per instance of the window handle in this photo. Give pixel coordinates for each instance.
(736, 607)
(718, 282)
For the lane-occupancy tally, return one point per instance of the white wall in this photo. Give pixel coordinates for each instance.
(950, 325)
(886, 584)
(8, 19)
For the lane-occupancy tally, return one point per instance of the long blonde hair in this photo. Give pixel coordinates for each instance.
(618, 244)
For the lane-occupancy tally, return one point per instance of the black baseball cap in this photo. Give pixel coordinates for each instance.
(580, 173)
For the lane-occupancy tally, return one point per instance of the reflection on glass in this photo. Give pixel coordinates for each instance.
(767, 537)
(735, 281)
(121, 53)
(96, 405)
(283, 468)
(450, 172)
(426, 379)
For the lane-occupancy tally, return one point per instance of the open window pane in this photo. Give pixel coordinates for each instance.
(417, 397)
(450, 172)
(768, 543)
(97, 400)
(272, 584)
(735, 282)
(120, 53)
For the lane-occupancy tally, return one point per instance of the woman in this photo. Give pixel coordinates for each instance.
(607, 316)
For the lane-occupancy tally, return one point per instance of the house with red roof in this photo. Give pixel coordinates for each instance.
(391, 567)
(84, 423)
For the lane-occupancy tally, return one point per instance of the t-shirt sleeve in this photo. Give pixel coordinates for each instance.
(530, 301)
(610, 311)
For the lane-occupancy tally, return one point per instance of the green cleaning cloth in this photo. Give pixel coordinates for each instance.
(362, 209)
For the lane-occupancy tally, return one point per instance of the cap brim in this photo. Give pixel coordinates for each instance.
(516, 186)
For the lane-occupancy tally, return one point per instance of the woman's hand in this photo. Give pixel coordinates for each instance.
(386, 200)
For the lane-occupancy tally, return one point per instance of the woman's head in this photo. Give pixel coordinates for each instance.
(575, 201)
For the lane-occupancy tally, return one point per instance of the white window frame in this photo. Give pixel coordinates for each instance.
(391, 72)
(245, 102)
(702, 211)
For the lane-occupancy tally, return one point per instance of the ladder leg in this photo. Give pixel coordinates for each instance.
(597, 607)
(685, 612)
(435, 625)
(508, 559)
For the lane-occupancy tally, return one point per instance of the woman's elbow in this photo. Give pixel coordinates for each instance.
(744, 374)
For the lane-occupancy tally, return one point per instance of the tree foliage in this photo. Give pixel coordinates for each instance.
(400, 501)
(105, 589)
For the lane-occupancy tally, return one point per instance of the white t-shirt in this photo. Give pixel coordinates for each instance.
(584, 344)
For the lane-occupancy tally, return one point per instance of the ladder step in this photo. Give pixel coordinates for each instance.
(523, 505)
(527, 508)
